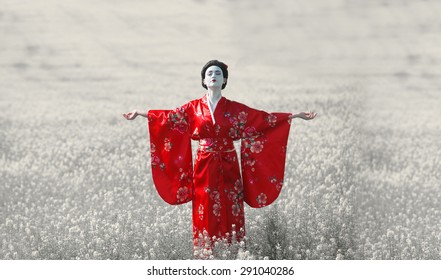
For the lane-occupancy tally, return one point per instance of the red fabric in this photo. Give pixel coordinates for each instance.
(215, 184)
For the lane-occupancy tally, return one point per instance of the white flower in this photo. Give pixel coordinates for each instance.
(182, 194)
(256, 147)
(261, 199)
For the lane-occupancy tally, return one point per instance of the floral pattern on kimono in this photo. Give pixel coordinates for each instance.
(217, 184)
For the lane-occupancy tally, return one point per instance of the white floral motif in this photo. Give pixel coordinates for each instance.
(167, 145)
(242, 117)
(261, 199)
(233, 133)
(156, 161)
(201, 212)
(216, 209)
(238, 186)
(182, 194)
(237, 122)
(236, 194)
(271, 119)
(278, 184)
(152, 148)
(215, 195)
(256, 147)
(184, 176)
(235, 210)
(178, 120)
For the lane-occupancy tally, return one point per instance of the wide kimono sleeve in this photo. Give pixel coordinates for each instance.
(264, 138)
(171, 154)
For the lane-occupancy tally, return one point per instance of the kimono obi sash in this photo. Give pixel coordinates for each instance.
(216, 145)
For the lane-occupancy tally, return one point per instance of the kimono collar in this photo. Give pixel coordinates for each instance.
(213, 100)
(212, 104)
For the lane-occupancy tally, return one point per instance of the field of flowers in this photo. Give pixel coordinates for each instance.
(362, 179)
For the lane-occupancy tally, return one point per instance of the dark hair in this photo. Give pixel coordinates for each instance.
(218, 63)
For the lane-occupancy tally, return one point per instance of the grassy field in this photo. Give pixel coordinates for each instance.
(362, 179)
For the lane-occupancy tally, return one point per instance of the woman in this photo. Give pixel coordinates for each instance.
(217, 184)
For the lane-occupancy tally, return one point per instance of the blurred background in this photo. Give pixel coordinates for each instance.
(362, 180)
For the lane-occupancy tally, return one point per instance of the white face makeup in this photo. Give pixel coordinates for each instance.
(214, 78)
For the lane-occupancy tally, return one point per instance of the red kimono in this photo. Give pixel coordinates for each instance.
(217, 184)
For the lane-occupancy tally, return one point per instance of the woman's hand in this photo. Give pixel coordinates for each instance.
(305, 115)
(131, 115)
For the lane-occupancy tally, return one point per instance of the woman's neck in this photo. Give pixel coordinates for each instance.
(214, 94)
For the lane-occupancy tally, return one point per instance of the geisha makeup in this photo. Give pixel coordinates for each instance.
(214, 77)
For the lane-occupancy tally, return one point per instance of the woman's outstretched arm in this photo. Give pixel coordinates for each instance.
(134, 113)
(304, 115)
